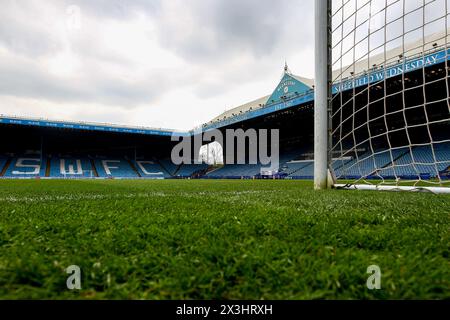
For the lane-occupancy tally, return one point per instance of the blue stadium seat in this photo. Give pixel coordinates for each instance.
(237, 171)
(27, 166)
(169, 168)
(404, 163)
(252, 170)
(187, 170)
(71, 167)
(366, 164)
(291, 168)
(3, 162)
(303, 170)
(114, 168)
(150, 169)
(423, 161)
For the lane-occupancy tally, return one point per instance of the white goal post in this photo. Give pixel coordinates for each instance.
(382, 95)
(322, 92)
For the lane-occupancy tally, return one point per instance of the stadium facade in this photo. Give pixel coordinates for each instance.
(37, 148)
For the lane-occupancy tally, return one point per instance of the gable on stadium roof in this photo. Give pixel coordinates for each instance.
(289, 87)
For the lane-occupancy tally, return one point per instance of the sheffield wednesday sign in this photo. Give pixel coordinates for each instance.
(393, 71)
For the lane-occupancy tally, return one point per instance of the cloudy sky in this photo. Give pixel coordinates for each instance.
(171, 63)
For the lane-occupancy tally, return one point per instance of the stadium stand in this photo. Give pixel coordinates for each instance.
(26, 166)
(3, 162)
(169, 168)
(114, 168)
(188, 170)
(419, 162)
(289, 108)
(150, 169)
(407, 164)
(305, 172)
(363, 165)
(71, 167)
(298, 168)
(237, 171)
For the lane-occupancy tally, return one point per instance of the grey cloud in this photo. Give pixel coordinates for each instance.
(252, 36)
(260, 34)
(228, 28)
(31, 81)
(27, 39)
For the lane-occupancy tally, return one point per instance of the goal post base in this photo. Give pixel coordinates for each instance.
(436, 190)
(331, 178)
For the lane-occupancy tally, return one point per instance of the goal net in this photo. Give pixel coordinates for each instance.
(390, 108)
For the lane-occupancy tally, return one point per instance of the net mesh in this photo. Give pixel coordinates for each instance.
(390, 114)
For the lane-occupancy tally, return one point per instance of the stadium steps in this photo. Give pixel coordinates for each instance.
(292, 174)
(163, 167)
(133, 167)
(211, 169)
(341, 165)
(47, 169)
(177, 170)
(5, 167)
(394, 161)
(199, 174)
(94, 168)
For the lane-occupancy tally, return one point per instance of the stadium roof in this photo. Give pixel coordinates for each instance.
(394, 55)
(105, 127)
(289, 83)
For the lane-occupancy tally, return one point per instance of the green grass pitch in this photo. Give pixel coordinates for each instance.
(200, 239)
